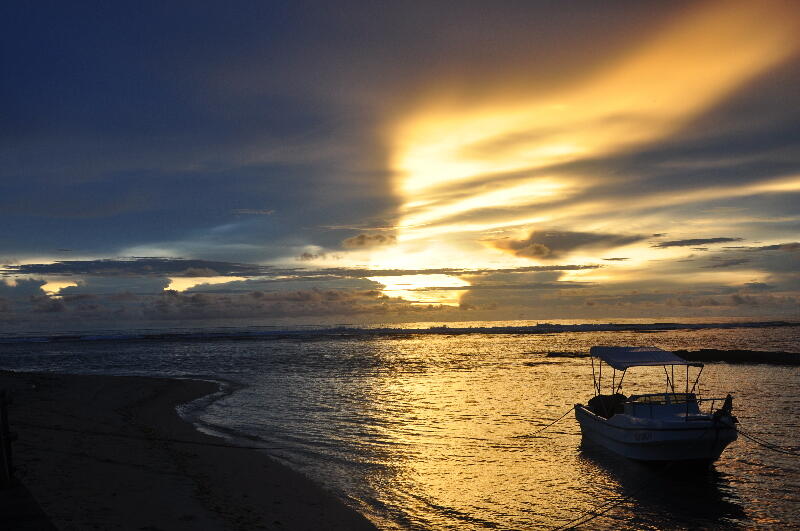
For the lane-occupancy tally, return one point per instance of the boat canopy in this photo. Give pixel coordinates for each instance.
(622, 358)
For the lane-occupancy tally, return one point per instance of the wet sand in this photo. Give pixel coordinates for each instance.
(91, 450)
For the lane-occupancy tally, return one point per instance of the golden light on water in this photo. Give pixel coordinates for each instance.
(491, 168)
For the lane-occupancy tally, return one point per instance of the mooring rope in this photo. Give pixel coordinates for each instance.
(766, 444)
(582, 519)
(540, 430)
(603, 508)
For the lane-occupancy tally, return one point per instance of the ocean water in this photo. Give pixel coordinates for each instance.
(433, 428)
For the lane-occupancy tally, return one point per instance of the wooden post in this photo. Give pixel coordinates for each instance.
(7, 472)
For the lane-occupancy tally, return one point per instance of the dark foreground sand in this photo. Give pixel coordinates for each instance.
(86, 480)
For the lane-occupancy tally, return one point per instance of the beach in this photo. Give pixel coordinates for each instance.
(111, 452)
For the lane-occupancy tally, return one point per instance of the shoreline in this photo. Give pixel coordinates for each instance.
(112, 452)
(716, 355)
(339, 331)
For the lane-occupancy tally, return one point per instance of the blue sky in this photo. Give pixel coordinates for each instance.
(399, 161)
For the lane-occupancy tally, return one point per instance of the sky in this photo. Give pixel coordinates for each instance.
(363, 161)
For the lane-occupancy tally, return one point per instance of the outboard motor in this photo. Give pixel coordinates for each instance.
(726, 410)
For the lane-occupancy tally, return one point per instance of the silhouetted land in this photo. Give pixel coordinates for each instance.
(710, 354)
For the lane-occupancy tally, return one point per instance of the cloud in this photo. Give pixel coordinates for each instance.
(736, 300)
(555, 244)
(525, 111)
(44, 304)
(367, 240)
(758, 286)
(199, 272)
(310, 257)
(143, 266)
(178, 267)
(254, 211)
(176, 306)
(788, 247)
(694, 242)
(720, 263)
(21, 288)
(98, 285)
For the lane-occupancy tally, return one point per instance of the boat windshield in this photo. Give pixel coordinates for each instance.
(663, 398)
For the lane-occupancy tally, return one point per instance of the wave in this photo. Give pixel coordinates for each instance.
(349, 332)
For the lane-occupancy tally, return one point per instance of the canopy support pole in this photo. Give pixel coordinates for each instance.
(687, 380)
(667, 375)
(600, 379)
(619, 386)
(672, 368)
(698, 378)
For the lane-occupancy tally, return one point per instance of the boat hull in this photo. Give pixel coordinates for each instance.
(690, 442)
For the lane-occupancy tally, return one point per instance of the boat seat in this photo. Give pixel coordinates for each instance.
(607, 406)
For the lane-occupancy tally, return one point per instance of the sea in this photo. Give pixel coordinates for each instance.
(436, 426)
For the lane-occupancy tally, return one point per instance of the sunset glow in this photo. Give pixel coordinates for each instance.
(463, 171)
(529, 161)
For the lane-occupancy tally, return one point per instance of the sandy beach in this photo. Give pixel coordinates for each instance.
(105, 452)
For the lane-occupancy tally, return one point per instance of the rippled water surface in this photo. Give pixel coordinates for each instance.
(435, 431)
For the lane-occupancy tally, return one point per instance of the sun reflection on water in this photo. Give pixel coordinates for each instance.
(457, 432)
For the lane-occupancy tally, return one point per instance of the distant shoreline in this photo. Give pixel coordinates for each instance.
(322, 332)
(111, 452)
(712, 355)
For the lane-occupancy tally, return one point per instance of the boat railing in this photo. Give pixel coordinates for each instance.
(715, 403)
(663, 398)
(686, 404)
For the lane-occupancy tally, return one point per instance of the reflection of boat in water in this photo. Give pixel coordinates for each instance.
(658, 427)
(666, 497)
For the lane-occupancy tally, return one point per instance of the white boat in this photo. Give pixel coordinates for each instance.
(656, 427)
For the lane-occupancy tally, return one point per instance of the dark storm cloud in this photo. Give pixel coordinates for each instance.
(174, 306)
(138, 266)
(694, 241)
(310, 257)
(313, 302)
(717, 263)
(758, 286)
(367, 240)
(174, 267)
(735, 300)
(789, 247)
(288, 284)
(21, 288)
(554, 244)
(112, 285)
(779, 259)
